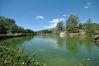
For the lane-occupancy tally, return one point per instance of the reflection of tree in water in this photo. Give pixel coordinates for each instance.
(87, 43)
(97, 43)
(85, 40)
(44, 36)
(60, 41)
(13, 42)
(69, 43)
(75, 42)
(72, 44)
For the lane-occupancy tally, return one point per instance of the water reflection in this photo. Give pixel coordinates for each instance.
(60, 41)
(57, 51)
(13, 42)
(74, 43)
(78, 47)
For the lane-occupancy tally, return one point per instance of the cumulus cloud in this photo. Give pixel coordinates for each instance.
(54, 22)
(64, 15)
(88, 5)
(39, 17)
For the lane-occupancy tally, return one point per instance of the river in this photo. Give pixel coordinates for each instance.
(58, 50)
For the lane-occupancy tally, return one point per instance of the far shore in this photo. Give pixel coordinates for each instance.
(30, 34)
(14, 35)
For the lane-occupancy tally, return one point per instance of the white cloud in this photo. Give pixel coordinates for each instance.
(39, 17)
(64, 15)
(89, 3)
(54, 23)
(86, 7)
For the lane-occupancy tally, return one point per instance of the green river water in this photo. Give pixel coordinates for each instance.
(58, 50)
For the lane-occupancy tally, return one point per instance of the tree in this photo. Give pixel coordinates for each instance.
(29, 31)
(8, 26)
(3, 27)
(89, 28)
(80, 26)
(72, 23)
(59, 26)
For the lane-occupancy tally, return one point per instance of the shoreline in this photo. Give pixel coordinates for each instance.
(17, 58)
(2, 36)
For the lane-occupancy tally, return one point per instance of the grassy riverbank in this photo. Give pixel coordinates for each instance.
(11, 57)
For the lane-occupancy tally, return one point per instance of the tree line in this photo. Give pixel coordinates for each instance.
(8, 26)
(73, 25)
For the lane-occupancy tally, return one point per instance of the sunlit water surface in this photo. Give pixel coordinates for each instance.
(58, 50)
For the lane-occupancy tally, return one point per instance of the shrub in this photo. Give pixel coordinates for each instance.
(11, 57)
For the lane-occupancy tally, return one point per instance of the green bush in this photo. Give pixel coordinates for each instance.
(11, 57)
(74, 30)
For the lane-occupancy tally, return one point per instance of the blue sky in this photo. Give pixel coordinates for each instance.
(43, 14)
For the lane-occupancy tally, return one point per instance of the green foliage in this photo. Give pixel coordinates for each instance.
(72, 23)
(8, 26)
(89, 28)
(11, 57)
(29, 31)
(75, 30)
(80, 26)
(59, 26)
(44, 32)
